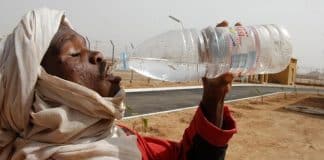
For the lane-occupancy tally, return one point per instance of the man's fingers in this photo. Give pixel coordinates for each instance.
(228, 77)
(221, 81)
(238, 24)
(225, 24)
(222, 24)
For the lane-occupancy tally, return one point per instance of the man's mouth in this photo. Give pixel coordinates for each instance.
(106, 72)
(113, 79)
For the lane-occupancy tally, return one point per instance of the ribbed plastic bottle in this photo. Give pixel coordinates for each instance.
(189, 54)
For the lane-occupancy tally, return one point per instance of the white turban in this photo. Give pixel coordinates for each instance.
(46, 117)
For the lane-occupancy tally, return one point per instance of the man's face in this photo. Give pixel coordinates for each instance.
(69, 58)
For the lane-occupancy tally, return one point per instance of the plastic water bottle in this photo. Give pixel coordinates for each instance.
(189, 54)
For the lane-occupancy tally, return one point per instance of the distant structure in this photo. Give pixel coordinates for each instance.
(311, 76)
(287, 76)
(258, 78)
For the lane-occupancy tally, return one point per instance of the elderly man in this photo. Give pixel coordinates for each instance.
(59, 100)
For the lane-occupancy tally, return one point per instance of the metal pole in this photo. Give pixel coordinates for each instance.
(182, 29)
(177, 20)
(113, 51)
(183, 37)
(88, 42)
(132, 72)
(96, 45)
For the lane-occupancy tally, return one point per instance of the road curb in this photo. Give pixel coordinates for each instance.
(200, 87)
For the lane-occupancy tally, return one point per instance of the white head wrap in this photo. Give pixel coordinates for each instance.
(46, 117)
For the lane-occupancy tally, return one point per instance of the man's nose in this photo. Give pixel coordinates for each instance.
(95, 57)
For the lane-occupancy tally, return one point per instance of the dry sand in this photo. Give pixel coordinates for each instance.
(267, 131)
(135, 80)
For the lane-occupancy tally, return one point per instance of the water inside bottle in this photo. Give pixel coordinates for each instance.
(243, 63)
(166, 70)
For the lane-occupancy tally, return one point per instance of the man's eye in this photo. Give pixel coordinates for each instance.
(75, 54)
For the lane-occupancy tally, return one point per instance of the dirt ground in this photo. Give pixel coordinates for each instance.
(266, 131)
(134, 80)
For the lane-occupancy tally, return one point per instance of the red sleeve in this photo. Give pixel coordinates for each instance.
(208, 131)
(159, 149)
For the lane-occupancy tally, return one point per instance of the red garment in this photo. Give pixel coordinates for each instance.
(159, 149)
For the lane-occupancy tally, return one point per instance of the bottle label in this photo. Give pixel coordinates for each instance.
(244, 49)
(237, 34)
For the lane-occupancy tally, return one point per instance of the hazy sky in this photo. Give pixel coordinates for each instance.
(126, 21)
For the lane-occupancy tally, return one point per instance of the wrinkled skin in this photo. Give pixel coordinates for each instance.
(69, 58)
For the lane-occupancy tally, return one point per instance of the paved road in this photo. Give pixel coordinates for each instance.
(156, 101)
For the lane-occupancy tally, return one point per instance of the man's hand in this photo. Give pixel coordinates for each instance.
(212, 103)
